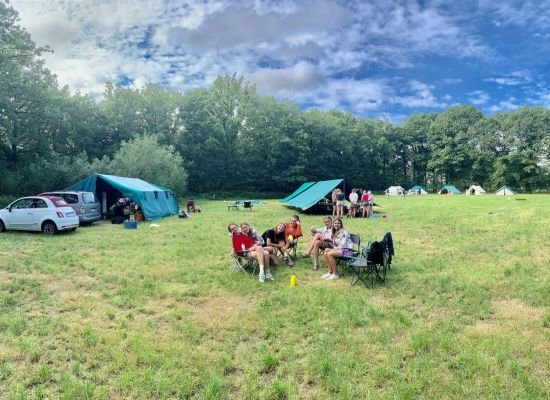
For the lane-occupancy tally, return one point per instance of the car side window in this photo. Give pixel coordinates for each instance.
(23, 203)
(88, 198)
(40, 204)
(70, 198)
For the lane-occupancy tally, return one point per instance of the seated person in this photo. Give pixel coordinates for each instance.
(342, 247)
(322, 239)
(191, 206)
(257, 248)
(293, 231)
(275, 240)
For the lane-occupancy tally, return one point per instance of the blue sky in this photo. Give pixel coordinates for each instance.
(376, 59)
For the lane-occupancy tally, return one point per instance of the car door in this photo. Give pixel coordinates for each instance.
(20, 216)
(38, 213)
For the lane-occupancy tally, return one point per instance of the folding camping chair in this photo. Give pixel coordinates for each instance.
(292, 249)
(247, 205)
(243, 263)
(373, 262)
(241, 259)
(355, 251)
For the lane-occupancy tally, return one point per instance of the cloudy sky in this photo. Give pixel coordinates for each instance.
(374, 58)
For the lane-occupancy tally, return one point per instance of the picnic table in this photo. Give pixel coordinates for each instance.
(233, 205)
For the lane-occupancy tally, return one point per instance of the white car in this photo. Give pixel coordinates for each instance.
(48, 214)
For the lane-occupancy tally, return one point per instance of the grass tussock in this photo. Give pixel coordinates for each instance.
(109, 313)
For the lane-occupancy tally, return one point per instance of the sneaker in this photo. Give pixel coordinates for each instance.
(268, 276)
(326, 276)
(288, 261)
(261, 277)
(305, 255)
(333, 276)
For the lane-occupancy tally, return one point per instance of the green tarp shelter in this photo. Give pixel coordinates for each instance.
(450, 189)
(303, 187)
(313, 194)
(416, 188)
(155, 201)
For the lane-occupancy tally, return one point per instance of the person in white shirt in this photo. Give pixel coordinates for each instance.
(322, 239)
(353, 199)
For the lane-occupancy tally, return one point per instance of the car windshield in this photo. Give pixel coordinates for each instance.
(88, 198)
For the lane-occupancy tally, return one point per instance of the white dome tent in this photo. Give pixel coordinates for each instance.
(395, 191)
(475, 190)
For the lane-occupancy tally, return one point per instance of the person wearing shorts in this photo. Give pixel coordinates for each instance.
(322, 239)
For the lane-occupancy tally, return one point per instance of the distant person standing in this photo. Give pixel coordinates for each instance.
(353, 200)
(333, 197)
(364, 203)
(340, 197)
(370, 204)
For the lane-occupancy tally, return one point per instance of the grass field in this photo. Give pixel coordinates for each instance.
(153, 313)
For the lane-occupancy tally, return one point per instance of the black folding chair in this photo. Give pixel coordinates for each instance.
(247, 205)
(373, 263)
(355, 251)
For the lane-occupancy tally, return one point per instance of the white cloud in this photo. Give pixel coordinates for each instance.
(286, 81)
(478, 97)
(505, 105)
(418, 94)
(332, 54)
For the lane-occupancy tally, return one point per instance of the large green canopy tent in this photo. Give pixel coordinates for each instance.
(155, 201)
(313, 194)
(302, 188)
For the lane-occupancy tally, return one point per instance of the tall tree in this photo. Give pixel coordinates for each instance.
(448, 142)
(144, 158)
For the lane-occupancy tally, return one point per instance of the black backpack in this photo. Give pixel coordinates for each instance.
(375, 253)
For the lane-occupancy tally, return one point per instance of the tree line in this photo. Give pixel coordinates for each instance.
(227, 138)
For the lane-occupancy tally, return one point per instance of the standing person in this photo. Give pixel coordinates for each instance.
(322, 239)
(370, 204)
(333, 196)
(247, 230)
(342, 247)
(353, 200)
(340, 197)
(364, 203)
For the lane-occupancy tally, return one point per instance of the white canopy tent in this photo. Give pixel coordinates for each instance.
(475, 190)
(395, 191)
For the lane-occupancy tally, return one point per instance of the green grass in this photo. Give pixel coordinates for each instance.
(109, 313)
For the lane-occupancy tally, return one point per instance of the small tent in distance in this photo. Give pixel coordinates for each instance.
(449, 189)
(475, 190)
(395, 191)
(155, 201)
(416, 190)
(505, 191)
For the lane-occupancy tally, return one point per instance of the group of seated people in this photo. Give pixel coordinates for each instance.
(332, 239)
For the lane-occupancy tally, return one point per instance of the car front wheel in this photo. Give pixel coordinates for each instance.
(2, 226)
(49, 228)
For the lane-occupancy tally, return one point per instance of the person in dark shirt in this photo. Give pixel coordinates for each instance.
(275, 241)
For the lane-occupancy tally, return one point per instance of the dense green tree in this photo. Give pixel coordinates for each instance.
(448, 143)
(414, 133)
(144, 158)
